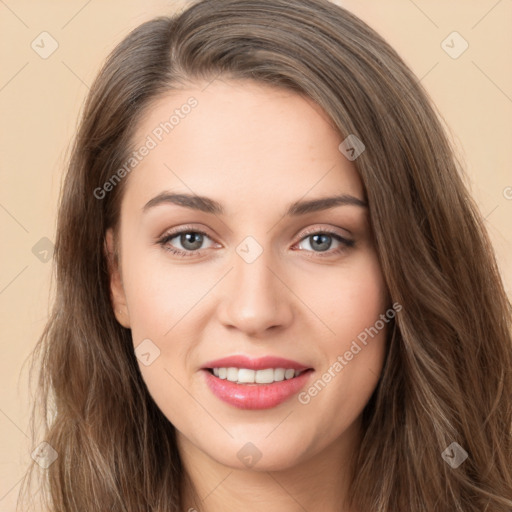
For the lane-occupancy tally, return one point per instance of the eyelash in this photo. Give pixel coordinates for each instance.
(346, 243)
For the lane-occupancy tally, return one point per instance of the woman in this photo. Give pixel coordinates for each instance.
(273, 289)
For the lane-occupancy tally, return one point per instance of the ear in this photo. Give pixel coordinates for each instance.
(117, 294)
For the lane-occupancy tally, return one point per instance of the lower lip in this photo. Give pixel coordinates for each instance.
(255, 396)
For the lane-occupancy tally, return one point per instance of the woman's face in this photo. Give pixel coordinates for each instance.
(264, 269)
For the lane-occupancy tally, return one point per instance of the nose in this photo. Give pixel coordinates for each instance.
(255, 298)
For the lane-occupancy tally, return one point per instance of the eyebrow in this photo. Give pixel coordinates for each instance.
(207, 205)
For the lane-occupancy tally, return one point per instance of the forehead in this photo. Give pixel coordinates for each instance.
(244, 142)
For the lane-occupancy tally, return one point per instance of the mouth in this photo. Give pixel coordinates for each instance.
(255, 383)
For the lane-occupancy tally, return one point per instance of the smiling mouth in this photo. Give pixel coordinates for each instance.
(246, 376)
(255, 389)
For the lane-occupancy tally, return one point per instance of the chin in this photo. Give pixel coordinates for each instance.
(260, 455)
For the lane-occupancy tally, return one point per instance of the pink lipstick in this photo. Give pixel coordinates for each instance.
(261, 383)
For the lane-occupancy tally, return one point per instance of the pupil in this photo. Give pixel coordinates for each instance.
(194, 239)
(323, 240)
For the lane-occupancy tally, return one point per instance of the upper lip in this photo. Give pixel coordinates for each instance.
(260, 363)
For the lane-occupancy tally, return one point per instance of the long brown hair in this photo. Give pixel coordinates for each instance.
(447, 375)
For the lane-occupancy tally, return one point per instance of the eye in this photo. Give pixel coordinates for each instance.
(190, 240)
(320, 242)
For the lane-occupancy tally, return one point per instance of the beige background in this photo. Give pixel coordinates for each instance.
(40, 100)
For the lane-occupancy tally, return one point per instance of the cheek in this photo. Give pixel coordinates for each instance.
(355, 350)
(159, 295)
(361, 328)
(352, 298)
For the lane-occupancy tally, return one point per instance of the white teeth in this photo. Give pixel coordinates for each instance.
(279, 374)
(264, 376)
(288, 374)
(232, 374)
(246, 376)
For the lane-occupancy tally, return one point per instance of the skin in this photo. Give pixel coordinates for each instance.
(255, 149)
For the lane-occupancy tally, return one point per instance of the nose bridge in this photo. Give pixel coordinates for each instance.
(252, 272)
(256, 299)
